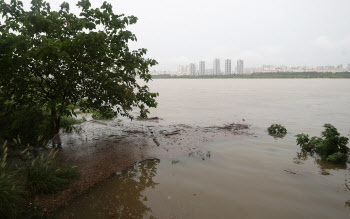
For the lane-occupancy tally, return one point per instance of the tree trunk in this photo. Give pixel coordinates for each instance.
(55, 121)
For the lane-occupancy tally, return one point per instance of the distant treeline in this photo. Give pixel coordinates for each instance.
(262, 75)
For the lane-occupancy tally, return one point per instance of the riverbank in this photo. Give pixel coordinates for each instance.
(106, 147)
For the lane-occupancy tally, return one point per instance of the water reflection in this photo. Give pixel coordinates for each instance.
(301, 156)
(322, 164)
(325, 166)
(120, 197)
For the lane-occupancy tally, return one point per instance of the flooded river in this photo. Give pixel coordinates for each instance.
(253, 176)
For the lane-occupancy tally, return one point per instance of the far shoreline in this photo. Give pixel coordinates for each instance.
(270, 75)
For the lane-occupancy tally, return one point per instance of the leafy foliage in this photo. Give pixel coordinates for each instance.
(56, 59)
(332, 142)
(338, 157)
(307, 144)
(330, 146)
(27, 123)
(277, 130)
(109, 114)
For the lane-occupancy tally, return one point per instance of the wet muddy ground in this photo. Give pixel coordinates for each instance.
(101, 148)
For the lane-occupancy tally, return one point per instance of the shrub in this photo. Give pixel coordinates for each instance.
(107, 115)
(338, 157)
(331, 146)
(26, 123)
(332, 142)
(306, 143)
(277, 130)
(42, 176)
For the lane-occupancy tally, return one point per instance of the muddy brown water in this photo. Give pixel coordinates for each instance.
(253, 176)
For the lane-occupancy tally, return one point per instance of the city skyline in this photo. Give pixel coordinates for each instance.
(291, 32)
(240, 68)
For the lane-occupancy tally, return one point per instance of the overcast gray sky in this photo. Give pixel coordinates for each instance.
(277, 32)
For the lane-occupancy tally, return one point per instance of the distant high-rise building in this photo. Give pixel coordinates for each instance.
(240, 67)
(349, 66)
(181, 69)
(192, 69)
(201, 68)
(216, 67)
(208, 71)
(228, 67)
(340, 67)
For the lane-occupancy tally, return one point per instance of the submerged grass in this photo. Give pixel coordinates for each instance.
(68, 122)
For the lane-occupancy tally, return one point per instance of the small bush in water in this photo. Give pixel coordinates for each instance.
(338, 157)
(331, 146)
(277, 130)
(332, 142)
(306, 143)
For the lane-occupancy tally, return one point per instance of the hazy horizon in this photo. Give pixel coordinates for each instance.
(272, 32)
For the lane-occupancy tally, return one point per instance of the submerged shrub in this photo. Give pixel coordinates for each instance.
(338, 157)
(331, 146)
(332, 142)
(277, 130)
(307, 144)
(42, 176)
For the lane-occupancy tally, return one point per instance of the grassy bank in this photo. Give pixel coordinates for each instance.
(24, 176)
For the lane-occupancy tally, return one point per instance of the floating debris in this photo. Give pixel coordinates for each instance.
(156, 141)
(230, 127)
(134, 131)
(148, 119)
(292, 171)
(167, 134)
(175, 161)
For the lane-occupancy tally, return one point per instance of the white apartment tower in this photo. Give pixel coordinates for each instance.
(240, 66)
(201, 68)
(192, 69)
(216, 67)
(228, 67)
(181, 70)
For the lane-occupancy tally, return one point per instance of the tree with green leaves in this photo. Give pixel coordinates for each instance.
(55, 59)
